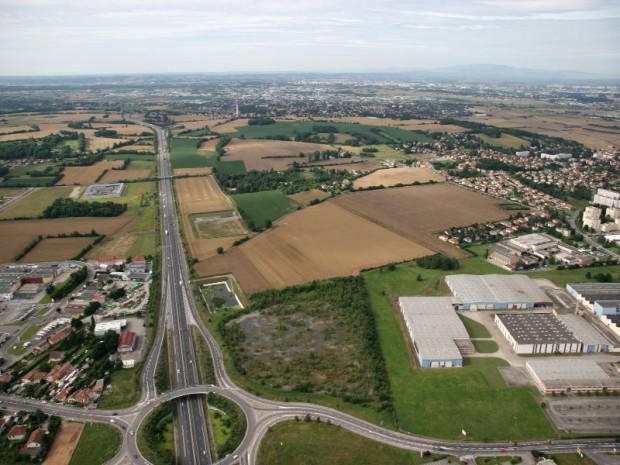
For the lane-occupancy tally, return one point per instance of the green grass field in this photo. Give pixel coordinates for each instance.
(262, 206)
(571, 459)
(313, 443)
(504, 141)
(563, 277)
(27, 181)
(474, 398)
(125, 389)
(185, 154)
(220, 431)
(474, 329)
(98, 444)
(485, 347)
(385, 135)
(34, 203)
(384, 152)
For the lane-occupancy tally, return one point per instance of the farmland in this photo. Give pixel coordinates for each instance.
(259, 207)
(83, 175)
(304, 198)
(193, 171)
(64, 444)
(198, 197)
(417, 212)
(124, 175)
(34, 203)
(270, 154)
(380, 134)
(394, 176)
(315, 243)
(185, 154)
(15, 235)
(505, 140)
(56, 249)
(217, 224)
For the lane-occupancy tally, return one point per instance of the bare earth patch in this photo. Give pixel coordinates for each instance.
(64, 444)
(123, 175)
(304, 198)
(392, 176)
(84, 175)
(319, 242)
(270, 154)
(193, 171)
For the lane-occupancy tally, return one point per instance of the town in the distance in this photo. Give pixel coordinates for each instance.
(279, 269)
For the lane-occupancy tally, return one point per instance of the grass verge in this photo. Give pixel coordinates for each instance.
(156, 436)
(206, 373)
(485, 347)
(474, 329)
(125, 389)
(312, 443)
(98, 444)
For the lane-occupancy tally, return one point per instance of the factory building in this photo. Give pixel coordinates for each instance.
(591, 340)
(599, 298)
(105, 326)
(558, 375)
(496, 292)
(437, 334)
(536, 333)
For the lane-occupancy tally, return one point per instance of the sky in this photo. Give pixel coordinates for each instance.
(60, 37)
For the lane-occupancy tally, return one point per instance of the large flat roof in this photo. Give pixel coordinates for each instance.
(557, 372)
(536, 328)
(434, 325)
(583, 330)
(495, 288)
(593, 292)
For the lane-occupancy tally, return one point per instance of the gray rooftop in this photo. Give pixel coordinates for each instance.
(435, 325)
(583, 330)
(572, 368)
(536, 328)
(593, 292)
(495, 288)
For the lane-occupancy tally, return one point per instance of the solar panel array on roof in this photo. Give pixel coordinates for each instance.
(536, 328)
(434, 325)
(495, 288)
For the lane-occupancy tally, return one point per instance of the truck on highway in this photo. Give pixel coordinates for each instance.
(166, 232)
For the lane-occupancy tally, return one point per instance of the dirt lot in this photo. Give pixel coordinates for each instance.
(50, 250)
(416, 212)
(585, 414)
(304, 198)
(217, 224)
(120, 175)
(392, 176)
(193, 171)
(84, 175)
(15, 235)
(201, 195)
(64, 444)
(319, 242)
(270, 154)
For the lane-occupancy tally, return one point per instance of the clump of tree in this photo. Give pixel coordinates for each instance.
(117, 293)
(261, 121)
(438, 262)
(62, 290)
(233, 419)
(105, 133)
(64, 208)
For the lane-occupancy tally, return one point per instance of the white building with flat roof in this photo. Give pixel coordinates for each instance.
(559, 374)
(607, 198)
(105, 326)
(435, 330)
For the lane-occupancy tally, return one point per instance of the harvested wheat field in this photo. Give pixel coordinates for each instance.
(230, 126)
(193, 171)
(56, 249)
(199, 195)
(16, 235)
(319, 242)
(124, 175)
(123, 129)
(356, 164)
(83, 175)
(64, 444)
(410, 124)
(304, 198)
(209, 145)
(417, 212)
(9, 129)
(392, 176)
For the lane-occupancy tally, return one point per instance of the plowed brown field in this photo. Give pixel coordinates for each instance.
(56, 249)
(270, 154)
(391, 177)
(304, 198)
(201, 195)
(121, 175)
(15, 235)
(417, 212)
(84, 175)
(315, 243)
(64, 444)
(193, 171)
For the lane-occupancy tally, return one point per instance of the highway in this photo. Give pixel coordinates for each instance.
(177, 314)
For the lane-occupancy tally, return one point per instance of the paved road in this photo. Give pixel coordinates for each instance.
(572, 220)
(178, 312)
(17, 198)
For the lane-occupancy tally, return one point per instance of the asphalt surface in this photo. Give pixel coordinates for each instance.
(178, 312)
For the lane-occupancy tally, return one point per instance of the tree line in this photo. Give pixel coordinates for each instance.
(64, 208)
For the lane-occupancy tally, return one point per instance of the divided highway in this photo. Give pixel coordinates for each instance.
(177, 314)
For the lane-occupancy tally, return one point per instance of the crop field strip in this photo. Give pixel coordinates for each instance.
(417, 212)
(57, 249)
(84, 175)
(392, 176)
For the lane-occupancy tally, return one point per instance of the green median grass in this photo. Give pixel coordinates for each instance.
(98, 444)
(442, 402)
(313, 443)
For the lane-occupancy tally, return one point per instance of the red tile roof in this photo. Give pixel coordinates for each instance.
(127, 339)
(33, 376)
(36, 437)
(17, 432)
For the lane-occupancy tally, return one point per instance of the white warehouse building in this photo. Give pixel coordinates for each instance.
(105, 326)
(436, 332)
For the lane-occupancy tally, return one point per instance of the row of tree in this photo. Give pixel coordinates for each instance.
(64, 208)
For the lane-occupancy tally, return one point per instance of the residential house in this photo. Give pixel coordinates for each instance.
(17, 433)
